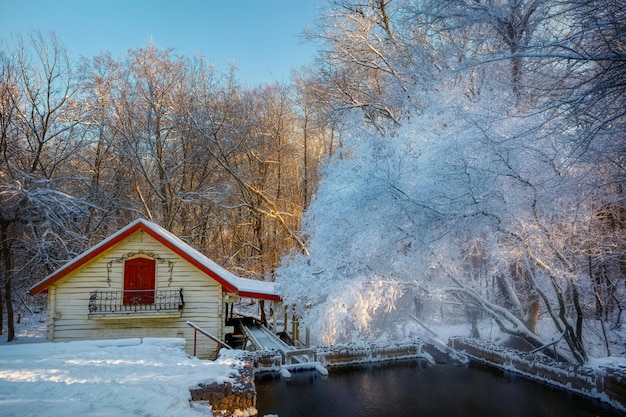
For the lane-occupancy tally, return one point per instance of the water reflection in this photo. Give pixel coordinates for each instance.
(408, 389)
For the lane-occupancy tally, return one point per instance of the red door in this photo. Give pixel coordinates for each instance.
(139, 281)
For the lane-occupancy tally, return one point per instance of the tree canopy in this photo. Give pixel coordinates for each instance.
(440, 161)
(494, 187)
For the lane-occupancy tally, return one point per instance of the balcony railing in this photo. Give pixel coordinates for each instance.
(142, 301)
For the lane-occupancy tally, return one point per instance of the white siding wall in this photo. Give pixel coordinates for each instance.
(68, 300)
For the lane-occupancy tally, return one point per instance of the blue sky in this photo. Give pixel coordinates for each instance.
(259, 36)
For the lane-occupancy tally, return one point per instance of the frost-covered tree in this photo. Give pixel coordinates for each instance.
(368, 55)
(484, 200)
(107, 187)
(38, 214)
(481, 31)
(249, 136)
(484, 217)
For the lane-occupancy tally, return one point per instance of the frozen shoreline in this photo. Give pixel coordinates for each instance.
(130, 376)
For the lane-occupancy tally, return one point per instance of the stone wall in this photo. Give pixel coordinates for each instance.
(230, 398)
(604, 383)
(237, 396)
(342, 355)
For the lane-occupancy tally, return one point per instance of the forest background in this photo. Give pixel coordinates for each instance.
(463, 154)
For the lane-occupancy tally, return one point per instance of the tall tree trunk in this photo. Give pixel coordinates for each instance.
(1, 312)
(532, 316)
(6, 264)
(9, 305)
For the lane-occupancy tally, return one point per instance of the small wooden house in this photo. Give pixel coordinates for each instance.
(144, 282)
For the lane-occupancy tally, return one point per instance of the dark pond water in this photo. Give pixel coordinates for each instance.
(410, 389)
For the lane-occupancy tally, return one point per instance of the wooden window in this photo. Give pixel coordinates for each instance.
(139, 281)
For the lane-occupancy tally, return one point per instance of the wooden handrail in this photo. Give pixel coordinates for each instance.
(197, 329)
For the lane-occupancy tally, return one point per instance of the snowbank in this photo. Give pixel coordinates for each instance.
(130, 377)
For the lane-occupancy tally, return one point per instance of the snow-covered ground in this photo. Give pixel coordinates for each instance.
(132, 377)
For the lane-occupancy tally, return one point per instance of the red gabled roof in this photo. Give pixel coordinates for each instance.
(230, 283)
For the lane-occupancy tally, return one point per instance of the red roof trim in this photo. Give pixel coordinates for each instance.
(91, 254)
(105, 245)
(270, 297)
(190, 259)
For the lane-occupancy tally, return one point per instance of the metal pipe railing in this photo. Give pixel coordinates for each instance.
(197, 329)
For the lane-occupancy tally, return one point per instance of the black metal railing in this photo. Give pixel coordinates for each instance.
(141, 301)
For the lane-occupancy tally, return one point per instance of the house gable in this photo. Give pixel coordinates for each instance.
(229, 282)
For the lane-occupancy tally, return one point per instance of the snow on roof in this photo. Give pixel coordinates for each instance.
(243, 287)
